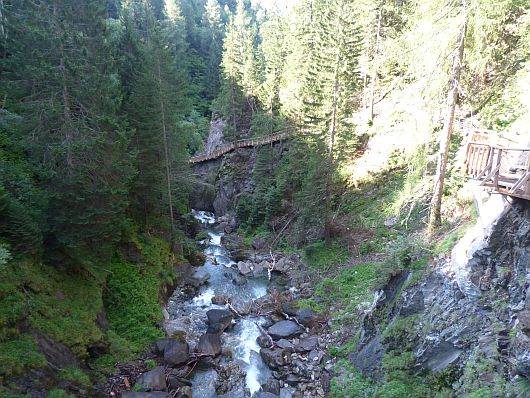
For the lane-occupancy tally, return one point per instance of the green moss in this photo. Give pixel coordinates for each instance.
(51, 301)
(397, 364)
(319, 256)
(75, 375)
(350, 383)
(58, 393)
(483, 392)
(150, 364)
(351, 287)
(19, 355)
(401, 389)
(132, 300)
(345, 349)
(401, 333)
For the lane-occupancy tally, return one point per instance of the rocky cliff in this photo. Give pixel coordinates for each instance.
(473, 335)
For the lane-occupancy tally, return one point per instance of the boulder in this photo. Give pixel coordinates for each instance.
(179, 327)
(241, 306)
(263, 341)
(199, 278)
(222, 318)
(274, 357)
(284, 264)
(285, 344)
(292, 380)
(154, 380)
(176, 353)
(261, 268)
(307, 317)
(316, 356)
(209, 344)
(244, 268)
(160, 346)
(185, 392)
(272, 386)
(307, 344)
(266, 394)
(285, 329)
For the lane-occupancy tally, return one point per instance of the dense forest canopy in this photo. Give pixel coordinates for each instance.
(103, 102)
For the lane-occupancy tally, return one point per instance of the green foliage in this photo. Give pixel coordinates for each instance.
(75, 375)
(19, 355)
(483, 392)
(5, 254)
(350, 383)
(58, 393)
(150, 364)
(321, 257)
(132, 297)
(351, 287)
(401, 389)
(401, 333)
(53, 302)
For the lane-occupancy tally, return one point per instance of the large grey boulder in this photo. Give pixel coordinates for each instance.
(176, 353)
(285, 329)
(244, 268)
(199, 278)
(154, 380)
(219, 320)
(274, 357)
(307, 344)
(209, 344)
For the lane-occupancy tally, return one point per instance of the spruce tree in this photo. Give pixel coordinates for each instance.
(61, 77)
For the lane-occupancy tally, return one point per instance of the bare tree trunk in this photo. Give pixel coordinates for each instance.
(435, 217)
(166, 154)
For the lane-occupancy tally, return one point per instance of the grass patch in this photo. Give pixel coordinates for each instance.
(350, 383)
(75, 375)
(133, 303)
(319, 256)
(19, 355)
(58, 393)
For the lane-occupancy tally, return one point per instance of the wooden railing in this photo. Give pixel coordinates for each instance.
(252, 142)
(505, 169)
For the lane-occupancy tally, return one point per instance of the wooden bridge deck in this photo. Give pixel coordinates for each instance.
(505, 170)
(253, 142)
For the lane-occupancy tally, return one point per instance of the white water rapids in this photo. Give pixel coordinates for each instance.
(241, 338)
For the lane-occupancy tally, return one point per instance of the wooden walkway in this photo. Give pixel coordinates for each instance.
(505, 169)
(253, 142)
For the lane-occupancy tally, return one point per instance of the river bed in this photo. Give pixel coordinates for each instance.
(240, 339)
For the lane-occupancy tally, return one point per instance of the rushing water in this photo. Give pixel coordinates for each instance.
(241, 338)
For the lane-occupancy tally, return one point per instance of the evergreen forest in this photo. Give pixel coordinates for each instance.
(105, 104)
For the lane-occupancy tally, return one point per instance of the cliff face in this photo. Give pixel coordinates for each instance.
(469, 322)
(220, 182)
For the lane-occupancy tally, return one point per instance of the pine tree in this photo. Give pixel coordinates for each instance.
(238, 68)
(61, 78)
(157, 102)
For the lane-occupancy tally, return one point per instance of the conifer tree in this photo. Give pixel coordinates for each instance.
(157, 102)
(60, 76)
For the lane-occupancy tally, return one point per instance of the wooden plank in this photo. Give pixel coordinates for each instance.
(521, 183)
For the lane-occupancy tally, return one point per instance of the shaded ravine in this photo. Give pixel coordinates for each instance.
(238, 342)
